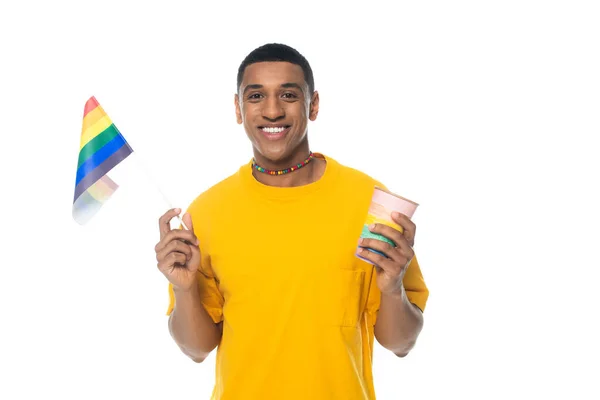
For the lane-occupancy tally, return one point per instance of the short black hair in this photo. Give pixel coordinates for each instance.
(277, 52)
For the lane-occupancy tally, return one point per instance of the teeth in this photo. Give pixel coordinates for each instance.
(273, 130)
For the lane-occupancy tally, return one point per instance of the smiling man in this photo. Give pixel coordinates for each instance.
(267, 273)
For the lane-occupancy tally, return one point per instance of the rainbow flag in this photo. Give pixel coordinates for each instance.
(102, 148)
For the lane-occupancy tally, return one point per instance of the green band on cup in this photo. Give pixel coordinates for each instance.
(367, 234)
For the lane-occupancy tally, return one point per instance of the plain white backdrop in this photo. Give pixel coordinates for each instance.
(483, 112)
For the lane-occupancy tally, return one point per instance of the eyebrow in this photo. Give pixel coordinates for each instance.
(253, 86)
(285, 85)
(291, 85)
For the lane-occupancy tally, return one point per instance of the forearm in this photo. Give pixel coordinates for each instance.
(399, 323)
(191, 327)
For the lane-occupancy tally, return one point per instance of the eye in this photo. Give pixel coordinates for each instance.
(289, 95)
(254, 96)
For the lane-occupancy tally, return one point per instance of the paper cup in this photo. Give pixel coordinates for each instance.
(383, 203)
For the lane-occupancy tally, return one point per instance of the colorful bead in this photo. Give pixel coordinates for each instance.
(282, 171)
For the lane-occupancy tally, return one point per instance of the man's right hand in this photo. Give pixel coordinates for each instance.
(177, 252)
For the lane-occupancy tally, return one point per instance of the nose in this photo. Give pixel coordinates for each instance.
(272, 109)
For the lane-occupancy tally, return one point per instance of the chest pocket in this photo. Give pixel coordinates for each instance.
(341, 293)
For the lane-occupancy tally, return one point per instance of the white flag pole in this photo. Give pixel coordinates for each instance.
(142, 165)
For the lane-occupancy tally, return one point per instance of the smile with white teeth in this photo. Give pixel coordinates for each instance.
(273, 130)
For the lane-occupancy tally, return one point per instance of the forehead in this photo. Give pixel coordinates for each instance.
(272, 73)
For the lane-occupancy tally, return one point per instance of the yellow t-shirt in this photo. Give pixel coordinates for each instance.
(279, 269)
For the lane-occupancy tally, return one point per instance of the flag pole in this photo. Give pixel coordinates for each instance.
(142, 165)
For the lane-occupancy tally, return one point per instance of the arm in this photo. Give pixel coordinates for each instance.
(178, 256)
(191, 327)
(399, 323)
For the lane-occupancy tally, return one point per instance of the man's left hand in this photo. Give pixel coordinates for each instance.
(391, 270)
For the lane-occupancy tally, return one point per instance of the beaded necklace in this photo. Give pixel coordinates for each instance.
(282, 171)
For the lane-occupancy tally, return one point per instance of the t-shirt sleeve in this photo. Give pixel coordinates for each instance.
(210, 295)
(414, 285)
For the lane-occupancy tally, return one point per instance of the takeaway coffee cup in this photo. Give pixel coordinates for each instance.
(383, 203)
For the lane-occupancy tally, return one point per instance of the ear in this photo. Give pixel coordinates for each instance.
(314, 106)
(238, 109)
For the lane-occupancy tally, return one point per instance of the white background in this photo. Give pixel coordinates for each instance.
(483, 112)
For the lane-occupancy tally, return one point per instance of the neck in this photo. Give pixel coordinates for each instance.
(303, 176)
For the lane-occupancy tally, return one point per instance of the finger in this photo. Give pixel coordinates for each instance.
(164, 222)
(174, 246)
(396, 254)
(387, 265)
(176, 234)
(410, 229)
(406, 252)
(174, 260)
(392, 234)
(381, 246)
(193, 260)
(182, 234)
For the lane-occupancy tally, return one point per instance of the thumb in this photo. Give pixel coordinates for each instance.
(187, 219)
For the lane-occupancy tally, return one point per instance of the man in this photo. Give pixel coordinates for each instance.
(268, 271)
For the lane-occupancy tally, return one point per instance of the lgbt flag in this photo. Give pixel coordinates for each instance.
(102, 148)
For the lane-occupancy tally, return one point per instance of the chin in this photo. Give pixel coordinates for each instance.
(275, 156)
(271, 152)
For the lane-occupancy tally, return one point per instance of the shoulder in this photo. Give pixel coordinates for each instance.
(355, 177)
(217, 194)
